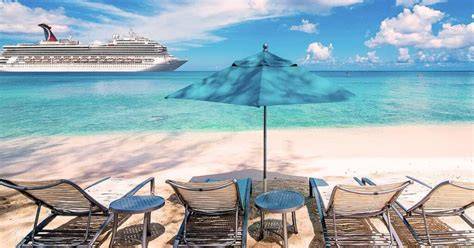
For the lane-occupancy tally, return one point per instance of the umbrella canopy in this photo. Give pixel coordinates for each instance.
(263, 79)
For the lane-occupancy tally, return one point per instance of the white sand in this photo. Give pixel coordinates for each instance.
(438, 151)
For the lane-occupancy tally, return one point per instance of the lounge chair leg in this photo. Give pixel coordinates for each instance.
(467, 220)
(426, 225)
(38, 210)
(186, 217)
(89, 216)
(389, 227)
(236, 224)
(335, 229)
(114, 230)
(262, 225)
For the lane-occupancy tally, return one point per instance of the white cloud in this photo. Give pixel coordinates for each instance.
(414, 28)
(403, 55)
(172, 21)
(107, 8)
(453, 36)
(406, 3)
(360, 59)
(305, 26)
(445, 56)
(408, 28)
(421, 56)
(17, 18)
(317, 52)
(470, 54)
(371, 57)
(203, 17)
(431, 2)
(321, 7)
(431, 57)
(410, 3)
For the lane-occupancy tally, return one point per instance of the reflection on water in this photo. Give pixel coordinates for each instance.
(78, 103)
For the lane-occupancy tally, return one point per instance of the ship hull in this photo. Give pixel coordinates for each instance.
(87, 67)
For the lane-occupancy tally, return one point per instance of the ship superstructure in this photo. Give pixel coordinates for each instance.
(122, 54)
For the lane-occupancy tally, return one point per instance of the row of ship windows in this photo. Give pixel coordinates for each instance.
(33, 61)
(87, 48)
(83, 55)
(75, 51)
(83, 51)
(82, 65)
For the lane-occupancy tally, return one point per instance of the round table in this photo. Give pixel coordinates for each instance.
(279, 201)
(136, 205)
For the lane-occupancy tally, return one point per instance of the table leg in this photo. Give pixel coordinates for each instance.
(285, 231)
(114, 229)
(293, 217)
(262, 222)
(145, 230)
(149, 225)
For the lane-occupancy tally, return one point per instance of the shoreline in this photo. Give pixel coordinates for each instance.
(277, 129)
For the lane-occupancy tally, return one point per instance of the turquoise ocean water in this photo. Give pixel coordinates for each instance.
(77, 104)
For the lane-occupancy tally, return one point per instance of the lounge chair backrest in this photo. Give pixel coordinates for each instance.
(211, 197)
(62, 196)
(364, 200)
(448, 196)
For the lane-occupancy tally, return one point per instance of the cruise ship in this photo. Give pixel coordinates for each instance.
(123, 54)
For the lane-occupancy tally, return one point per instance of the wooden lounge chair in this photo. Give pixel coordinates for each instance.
(350, 201)
(447, 199)
(216, 212)
(86, 207)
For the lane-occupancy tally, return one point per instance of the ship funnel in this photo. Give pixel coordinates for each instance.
(48, 34)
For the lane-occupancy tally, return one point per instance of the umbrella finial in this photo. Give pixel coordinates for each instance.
(265, 47)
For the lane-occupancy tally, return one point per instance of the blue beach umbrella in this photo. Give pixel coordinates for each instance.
(262, 80)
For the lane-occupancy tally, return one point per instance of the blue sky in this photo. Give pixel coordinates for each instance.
(319, 34)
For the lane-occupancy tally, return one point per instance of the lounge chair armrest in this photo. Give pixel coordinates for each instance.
(419, 182)
(314, 192)
(248, 193)
(360, 181)
(97, 182)
(150, 180)
(312, 187)
(368, 181)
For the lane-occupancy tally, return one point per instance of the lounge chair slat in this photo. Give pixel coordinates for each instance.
(212, 207)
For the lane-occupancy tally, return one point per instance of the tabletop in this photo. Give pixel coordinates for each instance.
(137, 204)
(280, 201)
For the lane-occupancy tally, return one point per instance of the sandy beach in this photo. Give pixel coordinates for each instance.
(426, 151)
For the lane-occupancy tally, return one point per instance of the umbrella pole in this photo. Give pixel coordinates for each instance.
(264, 148)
